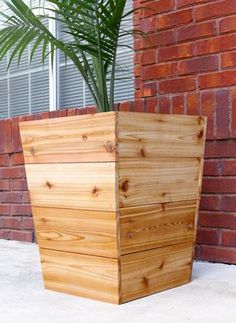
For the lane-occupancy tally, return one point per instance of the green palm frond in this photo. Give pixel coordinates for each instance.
(94, 27)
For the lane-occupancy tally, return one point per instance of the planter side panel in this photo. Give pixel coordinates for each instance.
(82, 275)
(86, 138)
(151, 271)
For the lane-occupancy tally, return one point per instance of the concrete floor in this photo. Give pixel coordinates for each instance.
(209, 298)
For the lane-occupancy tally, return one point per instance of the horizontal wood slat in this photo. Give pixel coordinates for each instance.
(81, 231)
(157, 225)
(82, 275)
(148, 135)
(88, 138)
(147, 272)
(158, 181)
(89, 186)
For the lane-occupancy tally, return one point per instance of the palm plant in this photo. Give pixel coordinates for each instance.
(95, 30)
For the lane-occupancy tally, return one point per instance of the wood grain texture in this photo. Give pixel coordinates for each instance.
(89, 186)
(87, 138)
(81, 231)
(162, 180)
(151, 271)
(81, 275)
(148, 135)
(151, 226)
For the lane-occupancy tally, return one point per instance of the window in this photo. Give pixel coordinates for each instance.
(28, 88)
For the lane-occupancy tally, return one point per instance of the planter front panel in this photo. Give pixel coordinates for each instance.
(74, 230)
(115, 199)
(82, 275)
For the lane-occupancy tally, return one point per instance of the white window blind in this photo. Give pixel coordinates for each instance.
(25, 89)
(72, 89)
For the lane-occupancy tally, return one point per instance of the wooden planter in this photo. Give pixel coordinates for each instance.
(115, 200)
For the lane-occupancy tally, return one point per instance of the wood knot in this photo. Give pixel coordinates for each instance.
(189, 226)
(201, 133)
(142, 153)
(163, 194)
(95, 191)
(124, 186)
(32, 151)
(109, 146)
(200, 120)
(130, 234)
(145, 281)
(161, 265)
(43, 220)
(49, 185)
(163, 206)
(85, 138)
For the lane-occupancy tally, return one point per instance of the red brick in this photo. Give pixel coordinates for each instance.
(148, 25)
(183, 3)
(228, 167)
(4, 234)
(19, 185)
(151, 104)
(208, 236)
(228, 203)
(211, 168)
(45, 115)
(217, 220)
(175, 52)
(4, 209)
(21, 209)
(125, 106)
(62, 113)
(164, 104)
(222, 113)
(16, 141)
(27, 223)
(210, 202)
(17, 159)
(193, 104)
(10, 222)
(148, 89)
(157, 39)
(157, 71)
(10, 172)
(219, 185)
(228, 59)
(217, 254)
(174, 19)
(137, 70)
(4, 160)
(148, 57)
(229, 238)
(196, 31)
(6, 136)
(219, 79)
(10, 197)
(178, 104)
(222, 149)
(4, 185)
(218, 9)
(198, 65)
(228, 24)
(216, 44)
(22, 236)
(208, 110)
(154, 7)
(178, 85)
(233, 112)
(139, 105)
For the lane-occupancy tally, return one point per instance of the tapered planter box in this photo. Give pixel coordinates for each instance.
(115, 200)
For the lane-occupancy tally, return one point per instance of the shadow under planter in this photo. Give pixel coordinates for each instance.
(115, 200)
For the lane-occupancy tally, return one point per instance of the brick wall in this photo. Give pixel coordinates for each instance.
(186, 65)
